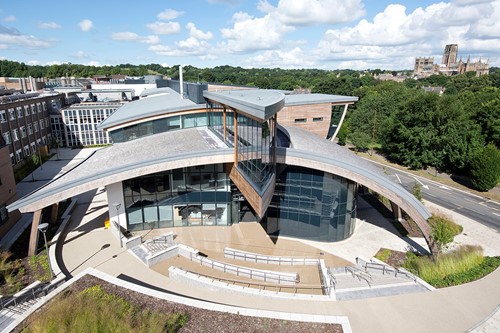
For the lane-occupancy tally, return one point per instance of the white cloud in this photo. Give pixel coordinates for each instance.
(162, 28)
(311, 12)
(198, 34)
(3, 46)
(132, 36)
(49, 25)
(394, 38)
(81, 55)
(10, 18)
(14, 37)
(188, 47)
(251, 34)
(85, 25)
(294, 58)
(169, 14)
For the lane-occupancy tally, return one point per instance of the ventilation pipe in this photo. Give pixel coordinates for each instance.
(181, 82)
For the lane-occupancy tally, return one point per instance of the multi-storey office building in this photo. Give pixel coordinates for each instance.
(8, 192)
(25, 122)
(79, 124)
(176, 163)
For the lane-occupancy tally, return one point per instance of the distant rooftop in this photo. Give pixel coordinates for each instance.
(301, 99)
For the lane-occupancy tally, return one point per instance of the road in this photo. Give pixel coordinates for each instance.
(477, 208)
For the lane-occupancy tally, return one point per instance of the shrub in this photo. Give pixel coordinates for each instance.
(360, 140)
(460, 260)
(417, 191)
(94, 310)
(443, 230)
(488, 265)
(485, 168)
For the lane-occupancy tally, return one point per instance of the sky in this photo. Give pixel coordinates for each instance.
(323, 34)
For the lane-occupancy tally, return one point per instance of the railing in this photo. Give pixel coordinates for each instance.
(262, 259)
(260, 286)
(15, 303)
(384, 268)
(359, 273)
(258, 274)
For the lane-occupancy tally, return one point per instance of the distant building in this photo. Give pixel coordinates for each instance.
(25, 123)
(79, 121)
(8, 193)
(425, 66)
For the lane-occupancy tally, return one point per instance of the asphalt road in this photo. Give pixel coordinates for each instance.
(477, 208)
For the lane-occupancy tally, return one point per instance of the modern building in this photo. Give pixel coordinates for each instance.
(425, 66)
(25, 122)
(177, 163)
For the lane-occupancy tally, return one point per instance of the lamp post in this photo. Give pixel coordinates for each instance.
(43, 229)
(58, 155)
(117, 206)
(39, 156)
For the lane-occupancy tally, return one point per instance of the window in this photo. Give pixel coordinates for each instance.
(12, 160)
(30, 129)
(26, 150)
(15, 134)
(33, 111)
(19, 112)
(35, 124)
(39, 107)
(3, 116)
(6, 137)
(19, 155)
(300, 120)
(23, 131)
(26, 110)
(41, 124)
(4, 215)
(12, 115)
(318, 119)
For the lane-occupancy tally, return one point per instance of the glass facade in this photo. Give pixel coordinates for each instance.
(255, 150)
(151, 127)
(255, 143)
(191, 196)
(311, 204)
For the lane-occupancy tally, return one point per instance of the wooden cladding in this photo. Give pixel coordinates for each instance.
(258, 202)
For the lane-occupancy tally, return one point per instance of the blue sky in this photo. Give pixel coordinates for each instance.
(326, 34)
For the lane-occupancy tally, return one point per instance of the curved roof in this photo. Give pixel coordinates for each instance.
(259, 103)
(198, 146)
(161, 101)
(181, 148)
(307, 151)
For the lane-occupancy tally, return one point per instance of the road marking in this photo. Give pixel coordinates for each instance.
(444, 187)
(423, 185)
(495, 214)
(399, 180)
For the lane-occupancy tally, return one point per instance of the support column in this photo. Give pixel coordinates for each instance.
(37, 216)
(396, 211)
(53, 212)
(340, 123)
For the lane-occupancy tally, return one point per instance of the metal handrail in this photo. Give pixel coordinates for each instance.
(249, 284)
(360, 274)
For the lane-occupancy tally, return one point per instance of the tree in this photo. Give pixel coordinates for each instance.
(360, 140)
(485, 168)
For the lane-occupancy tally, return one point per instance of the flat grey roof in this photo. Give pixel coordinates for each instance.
(166, 102)
(259, 103)
(304, 99)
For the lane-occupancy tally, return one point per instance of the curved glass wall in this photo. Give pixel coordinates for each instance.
(192, 196)
(151, 127)
(311, 204)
